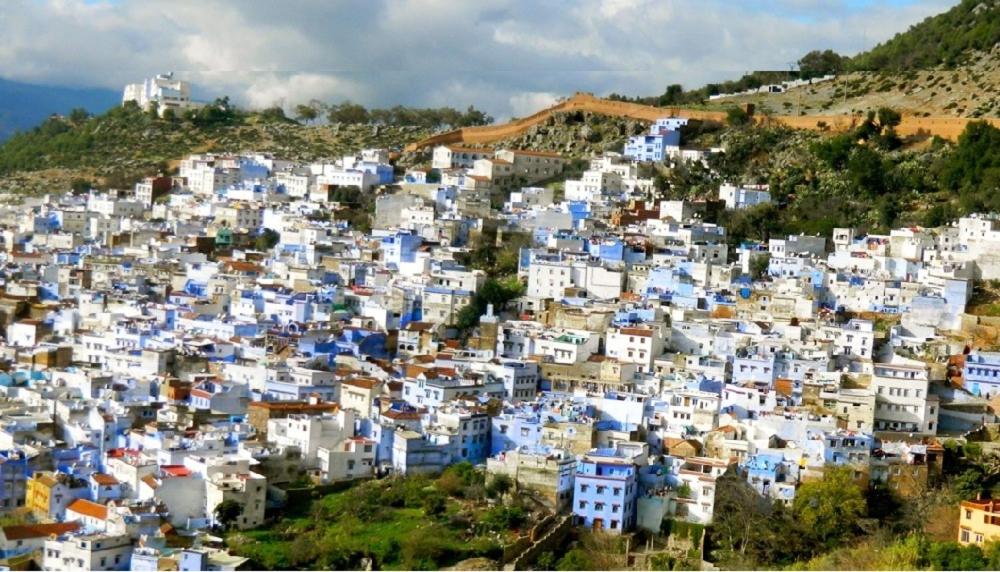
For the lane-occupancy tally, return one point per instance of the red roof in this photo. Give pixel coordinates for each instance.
(25, 531)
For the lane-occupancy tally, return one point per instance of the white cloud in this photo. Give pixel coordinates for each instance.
(506, 56)
(523, 104)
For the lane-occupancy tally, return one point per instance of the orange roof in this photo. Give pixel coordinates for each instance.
(25, 531)
(644, 332)
(241, 266)
(176, 470)
(394, 414)
(362, 382)
(151, 482)
(104, 479)
(88, 508)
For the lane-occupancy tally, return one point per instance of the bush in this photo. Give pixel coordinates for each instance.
(737, 116)
(498, 486)
(503, 518)
(575, 559)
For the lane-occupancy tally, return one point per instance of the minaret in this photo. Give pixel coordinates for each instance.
(488, 325)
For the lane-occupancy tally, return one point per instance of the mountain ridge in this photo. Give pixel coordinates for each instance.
(25, 105)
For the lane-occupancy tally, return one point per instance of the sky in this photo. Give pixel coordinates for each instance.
(509, 57)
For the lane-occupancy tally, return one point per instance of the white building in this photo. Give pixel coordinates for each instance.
(744, 196)
(163, 91)
(87, 552)
(638, 345)
(902, 402)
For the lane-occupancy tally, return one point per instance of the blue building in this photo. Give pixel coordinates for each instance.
(771, 476)
(652, 146)
(400, 248)
(982, 374)
(605, 493)
(512, 431)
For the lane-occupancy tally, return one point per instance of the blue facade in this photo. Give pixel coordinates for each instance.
(982, 374)
(511, 432)
(400, 247)
(652, 146)
(605, 492)
(762, 471)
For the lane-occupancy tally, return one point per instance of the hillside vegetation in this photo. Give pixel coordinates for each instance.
(949, 65)
(942, 40)
(125, 144)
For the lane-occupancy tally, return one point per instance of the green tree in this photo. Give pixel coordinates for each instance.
(759, 265)
(953, 556)
(267, 239)
(888, 117)
(819, 63)
(672, 95)
(306, 113)
(969, 484)
(348, 112)
(78, 115)
(829, 509)
(274, 113)
(227, 512)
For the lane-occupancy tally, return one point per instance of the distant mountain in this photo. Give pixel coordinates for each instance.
(25, 105)
(944, 40)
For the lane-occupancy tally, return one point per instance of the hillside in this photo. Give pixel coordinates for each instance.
(944, 40)
(23, 105)
(970, 90)
(947, 65)
(124, 144)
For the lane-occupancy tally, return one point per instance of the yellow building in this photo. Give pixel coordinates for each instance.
(47, 494)
(38, 497)
(979, 521)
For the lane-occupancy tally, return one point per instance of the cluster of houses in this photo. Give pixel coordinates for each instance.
(213, 338)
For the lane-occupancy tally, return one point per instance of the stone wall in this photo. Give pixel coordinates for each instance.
(944, 127)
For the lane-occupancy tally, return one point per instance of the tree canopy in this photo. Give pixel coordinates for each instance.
(829, 509)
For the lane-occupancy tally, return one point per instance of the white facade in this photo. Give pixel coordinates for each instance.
(163, 91)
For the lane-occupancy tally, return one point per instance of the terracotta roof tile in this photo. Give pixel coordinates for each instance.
(88, 508)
